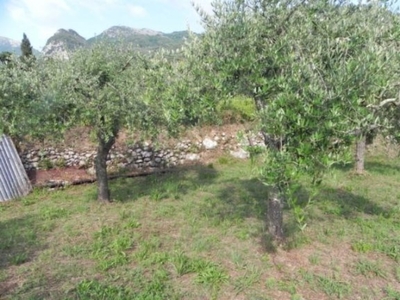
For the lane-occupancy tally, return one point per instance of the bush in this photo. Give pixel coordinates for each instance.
(239, 109)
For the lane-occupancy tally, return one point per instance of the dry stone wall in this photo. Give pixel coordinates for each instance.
(141, 156)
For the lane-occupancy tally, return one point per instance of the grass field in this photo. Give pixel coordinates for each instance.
(199, 234)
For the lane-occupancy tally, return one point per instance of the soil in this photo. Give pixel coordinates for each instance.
(43, 177)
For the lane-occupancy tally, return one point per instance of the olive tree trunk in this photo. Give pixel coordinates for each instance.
(275, 215)
(360, 154)
(103, 148)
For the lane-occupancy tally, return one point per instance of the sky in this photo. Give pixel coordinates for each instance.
(40, 19)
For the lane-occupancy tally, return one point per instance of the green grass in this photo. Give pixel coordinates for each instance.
(200, 234)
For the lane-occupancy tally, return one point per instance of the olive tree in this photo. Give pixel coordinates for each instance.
(108, 88)
(312, 68)
(25, 106)
(104, 89)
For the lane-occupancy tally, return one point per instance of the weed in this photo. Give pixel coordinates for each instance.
(332, 287)
(19, 259)
(368, 269)
(45, 164)
(158, 195)
(251, 277)
(362, 247)
(211, 275)
(182, 263)
(131, 224)
(271, 283)
(225, 160)
(314, 259)
(93, 289)
(60, 163)
(287, 286)
(392, 294)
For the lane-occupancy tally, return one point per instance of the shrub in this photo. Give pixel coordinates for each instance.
(238, 109)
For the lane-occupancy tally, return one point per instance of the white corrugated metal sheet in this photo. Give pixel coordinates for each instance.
(14, 181)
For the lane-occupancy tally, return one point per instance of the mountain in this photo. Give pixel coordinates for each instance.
(65, 41)
(143, 39)
(12, 46)
(62, 42)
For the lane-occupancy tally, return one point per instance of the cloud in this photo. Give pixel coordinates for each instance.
(39, 17)
(136, 10)
(39, 10)
(204, 4)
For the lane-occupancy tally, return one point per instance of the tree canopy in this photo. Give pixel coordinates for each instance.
(313, 69)
(26, 48)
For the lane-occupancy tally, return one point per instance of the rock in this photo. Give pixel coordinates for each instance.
(192, 156)
(209, 144)
(82, 164)
(242, 154)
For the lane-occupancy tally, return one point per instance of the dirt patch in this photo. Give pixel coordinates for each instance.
(41, 177)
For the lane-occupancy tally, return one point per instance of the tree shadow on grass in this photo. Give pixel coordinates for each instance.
(172, 183)
(19, 240)
(243, 199)
(248, 199)
(371, 167)
(382, 168)
(342, 203)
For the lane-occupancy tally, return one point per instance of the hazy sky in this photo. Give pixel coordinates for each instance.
(40, 19)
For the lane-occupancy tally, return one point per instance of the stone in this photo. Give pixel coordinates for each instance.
(240, 153)
(209, 144)
(82, 164)
(192, 156)
(121, 166)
